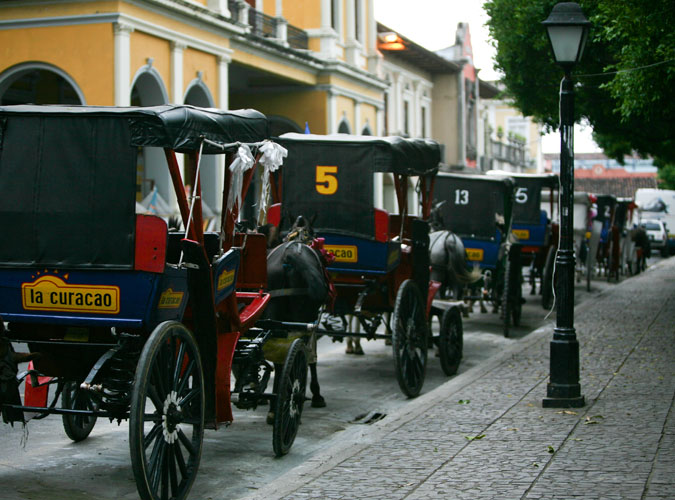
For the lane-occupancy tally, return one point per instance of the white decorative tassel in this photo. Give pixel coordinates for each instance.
(243, 162)
(272, 158)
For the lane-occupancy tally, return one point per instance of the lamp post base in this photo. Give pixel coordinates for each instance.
(563, 396)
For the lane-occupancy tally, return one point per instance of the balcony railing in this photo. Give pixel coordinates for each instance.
(513, 153)
(297, 38)
(266, 26)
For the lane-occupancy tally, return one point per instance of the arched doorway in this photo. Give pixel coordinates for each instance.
(148, 90)
(38, 83)
(198, 94)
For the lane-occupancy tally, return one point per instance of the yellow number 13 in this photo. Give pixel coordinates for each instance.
(326, 181)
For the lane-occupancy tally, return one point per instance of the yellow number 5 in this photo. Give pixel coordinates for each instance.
(326, 181)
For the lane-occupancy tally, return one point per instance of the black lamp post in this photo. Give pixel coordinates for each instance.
(567, 29)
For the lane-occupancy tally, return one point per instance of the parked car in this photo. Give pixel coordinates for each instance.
(658, 235)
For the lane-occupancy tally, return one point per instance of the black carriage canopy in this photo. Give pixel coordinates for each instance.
(475, 205)
(331, 177)
(527, 200)
(605, 203)
(68, 175)
(621, 212)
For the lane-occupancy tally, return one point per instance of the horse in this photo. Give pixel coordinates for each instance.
(299, 287)
(447, 257)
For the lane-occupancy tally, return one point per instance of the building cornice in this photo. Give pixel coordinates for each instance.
(120, 19)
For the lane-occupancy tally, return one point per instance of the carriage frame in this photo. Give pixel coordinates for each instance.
(381, 267)
(124, 318)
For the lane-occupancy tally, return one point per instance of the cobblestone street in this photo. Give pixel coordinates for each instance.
(485, 433)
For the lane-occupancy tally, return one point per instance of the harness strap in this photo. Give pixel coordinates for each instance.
(288, 292)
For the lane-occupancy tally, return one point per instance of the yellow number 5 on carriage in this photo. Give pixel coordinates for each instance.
(326, 181)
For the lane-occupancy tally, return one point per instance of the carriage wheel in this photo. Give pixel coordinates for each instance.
(451, 342)
(290, 398)
(507, 299)
(589, 269)
(77, 427)
(409, 339)
(547, 279)
(167, 414)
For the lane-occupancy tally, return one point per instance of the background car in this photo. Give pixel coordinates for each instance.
(658, 235)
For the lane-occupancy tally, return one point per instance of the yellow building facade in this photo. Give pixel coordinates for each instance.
(312, 62)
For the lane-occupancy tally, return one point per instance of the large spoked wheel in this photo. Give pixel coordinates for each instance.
(516, 290)
(507, 297)
(409, 339)
(290, 398)
(547, 279)
(77, 427)
(451, 340)
(166, 425)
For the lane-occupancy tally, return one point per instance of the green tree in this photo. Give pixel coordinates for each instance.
(666, 176)
(625, 80)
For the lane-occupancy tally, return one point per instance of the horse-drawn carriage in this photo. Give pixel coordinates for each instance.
(381, 263)
(479, 209)
(623, 251)
(606, 207)
(537, 233)
(123, 318)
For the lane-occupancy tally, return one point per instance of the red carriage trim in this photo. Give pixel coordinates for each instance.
(150, 248)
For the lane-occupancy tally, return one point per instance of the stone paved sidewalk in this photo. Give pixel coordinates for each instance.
(485, 435)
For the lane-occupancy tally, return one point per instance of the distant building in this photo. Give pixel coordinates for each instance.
(595, 173)
(512, 142)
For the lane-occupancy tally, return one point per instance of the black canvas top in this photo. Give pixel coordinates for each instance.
(330, 178)
(527, 206)
(176, 127)
(68, 176)
(605, 203)
(475, 204)
(387, 154)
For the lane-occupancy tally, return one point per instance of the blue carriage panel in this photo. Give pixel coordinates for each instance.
(531, 234)
(359, 255)
(485, 253)
(225, 272)
(171, 297)
(93, 298)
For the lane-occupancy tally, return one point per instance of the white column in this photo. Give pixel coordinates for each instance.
(219, 6)
(416, 115)
(396, 124)
(379, 121)
(326, 13)
(122, 63)
(357, 118)
(378, 183)
(223, 82)
(177, 72)
(331, 114)
(278, 8)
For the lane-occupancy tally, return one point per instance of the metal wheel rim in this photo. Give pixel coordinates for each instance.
(410, 340)
(168, 406)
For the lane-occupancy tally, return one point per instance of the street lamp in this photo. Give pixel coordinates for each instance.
(567, 29)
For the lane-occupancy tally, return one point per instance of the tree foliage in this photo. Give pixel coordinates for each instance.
(666, 176)
(625, 80)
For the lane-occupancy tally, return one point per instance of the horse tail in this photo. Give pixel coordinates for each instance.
(457, 261)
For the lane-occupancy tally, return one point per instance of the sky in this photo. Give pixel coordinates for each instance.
(432, 24)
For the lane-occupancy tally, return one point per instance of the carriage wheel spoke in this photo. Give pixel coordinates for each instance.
(186, 442)
(182, 384)
(179, 364)
(152, 435)
(189, 397)
(178, 454)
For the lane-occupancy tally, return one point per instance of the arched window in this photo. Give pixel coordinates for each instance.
(38, 83)
(343, 127)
